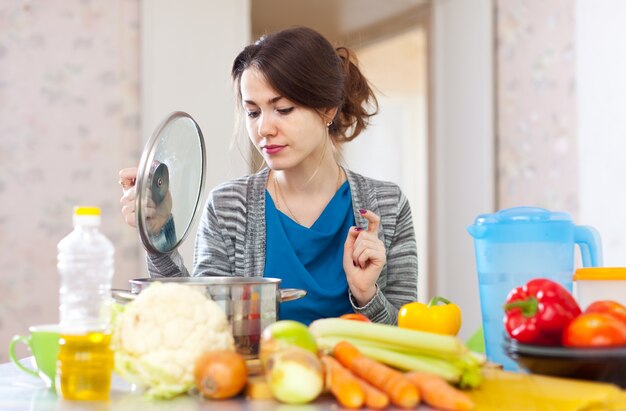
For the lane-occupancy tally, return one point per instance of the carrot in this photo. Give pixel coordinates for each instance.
(374, 398)
(400, 390)
(437, 393)
(343, 384)
(345, 353)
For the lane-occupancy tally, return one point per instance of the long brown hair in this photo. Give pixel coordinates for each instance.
(304, 67)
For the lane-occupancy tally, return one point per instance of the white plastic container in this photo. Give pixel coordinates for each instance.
(599, 283)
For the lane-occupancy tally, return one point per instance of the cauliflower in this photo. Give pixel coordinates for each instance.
(159, 336)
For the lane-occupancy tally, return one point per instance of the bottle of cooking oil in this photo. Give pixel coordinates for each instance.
(85, 264)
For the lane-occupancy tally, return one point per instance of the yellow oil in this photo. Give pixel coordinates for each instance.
(84, 366)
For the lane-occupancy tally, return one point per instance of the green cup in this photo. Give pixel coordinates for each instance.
(43, 342)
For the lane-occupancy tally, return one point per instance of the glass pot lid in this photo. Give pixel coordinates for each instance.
(169, 185)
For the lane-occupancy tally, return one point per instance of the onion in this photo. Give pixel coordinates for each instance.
(220, 374)
(294, 375)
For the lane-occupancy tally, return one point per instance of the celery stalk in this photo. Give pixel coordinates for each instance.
(480, 358)
(401, 361)
(384, 345)
(404, 362)
(402, 338)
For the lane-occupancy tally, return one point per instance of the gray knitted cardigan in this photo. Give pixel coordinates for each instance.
(231, 239)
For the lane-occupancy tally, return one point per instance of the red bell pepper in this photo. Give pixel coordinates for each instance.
(539, 312)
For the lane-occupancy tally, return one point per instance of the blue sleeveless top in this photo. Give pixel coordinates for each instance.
(310, 258)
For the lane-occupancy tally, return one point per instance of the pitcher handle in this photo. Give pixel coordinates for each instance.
(588, 239)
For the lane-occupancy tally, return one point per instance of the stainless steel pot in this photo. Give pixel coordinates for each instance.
(250, 303)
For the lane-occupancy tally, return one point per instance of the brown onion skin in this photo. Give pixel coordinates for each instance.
(220, 374)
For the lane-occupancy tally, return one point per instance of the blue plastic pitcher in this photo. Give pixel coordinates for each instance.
(516, 245)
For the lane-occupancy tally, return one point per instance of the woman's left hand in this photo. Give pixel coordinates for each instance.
(364, 258)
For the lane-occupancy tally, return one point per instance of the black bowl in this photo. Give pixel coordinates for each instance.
(595, 364)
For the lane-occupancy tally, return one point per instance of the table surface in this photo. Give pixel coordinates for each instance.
(21, 391)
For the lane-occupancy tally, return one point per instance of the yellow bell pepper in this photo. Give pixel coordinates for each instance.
(440, 319)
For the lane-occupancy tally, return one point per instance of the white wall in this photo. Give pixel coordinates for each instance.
(397, 136)
(601, 101)
(463, 146)
(394, 149)
(187, 51)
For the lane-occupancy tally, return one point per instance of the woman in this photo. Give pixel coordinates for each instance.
(346, 239)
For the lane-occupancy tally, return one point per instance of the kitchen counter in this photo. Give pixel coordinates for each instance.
(20, 391)
(499, 391)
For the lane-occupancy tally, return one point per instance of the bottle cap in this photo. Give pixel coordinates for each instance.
(86, 210)
(86, 216)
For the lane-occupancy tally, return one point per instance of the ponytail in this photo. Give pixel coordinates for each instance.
(359, 101)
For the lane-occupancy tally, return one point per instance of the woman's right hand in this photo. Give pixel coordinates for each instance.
(128, 176)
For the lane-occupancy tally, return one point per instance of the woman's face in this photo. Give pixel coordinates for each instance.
(286, 134)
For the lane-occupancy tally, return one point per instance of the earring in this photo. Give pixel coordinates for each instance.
(330, 123)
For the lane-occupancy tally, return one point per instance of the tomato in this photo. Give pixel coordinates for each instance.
(356, 317)
(612, 308)
(595, 330)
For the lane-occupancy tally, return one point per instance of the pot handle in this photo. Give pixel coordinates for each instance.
(122, 296)
(290, 294)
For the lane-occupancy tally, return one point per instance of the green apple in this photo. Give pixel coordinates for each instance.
(284, 334)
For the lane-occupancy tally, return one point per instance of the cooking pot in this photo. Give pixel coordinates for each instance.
(250, 303)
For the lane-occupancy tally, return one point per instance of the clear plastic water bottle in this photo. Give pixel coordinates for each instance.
(85, 264)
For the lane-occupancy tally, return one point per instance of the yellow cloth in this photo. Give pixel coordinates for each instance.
(503, 390)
